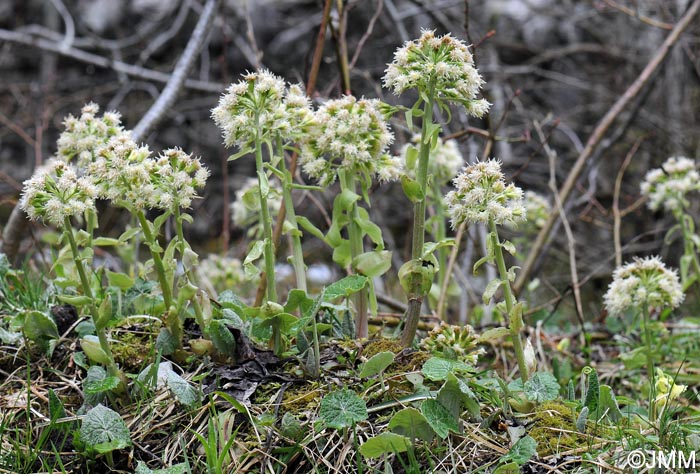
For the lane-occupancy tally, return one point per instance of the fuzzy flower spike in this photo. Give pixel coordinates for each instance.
(666, 187)
(55, 192)
(442, 62)
(350, 135)
(642, 282)
(482, 194)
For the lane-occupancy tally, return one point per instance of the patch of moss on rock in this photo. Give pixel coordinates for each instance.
(376, 346)
(554, 429)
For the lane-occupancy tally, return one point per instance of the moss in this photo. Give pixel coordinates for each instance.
(132, 350)
(376, 346)
(297, 399)
(554, 429)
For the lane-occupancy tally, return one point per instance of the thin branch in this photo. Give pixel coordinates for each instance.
(100, 61)
(598, 134)
(617, 216)
(182, 68)
(68, 20)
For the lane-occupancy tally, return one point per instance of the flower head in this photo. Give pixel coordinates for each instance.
(481, 194)
(176, 177)
(442, 61)
(666, 390)
(252, 108)
(537, 210)
(641, 282)
(445, 160)
(667, 186)
(453, 342)
(84, 136)
(352, 135)
(55, 192)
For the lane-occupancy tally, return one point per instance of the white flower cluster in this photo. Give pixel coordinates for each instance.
(445, 160)
(83, 137)
(351, 135)
(55, 192)
(245, 210)
(537, 208)
(217, 273)
(482, 194)
(260, 106)
(641, 282)
(177, 176)
(443, 62)
(667, 186)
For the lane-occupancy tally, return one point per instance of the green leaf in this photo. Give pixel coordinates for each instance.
(439, 418)
(165, 342)
(309, 227)
(120, 280)
(345, 287)
(593, 393)
(102, 426)
(437, 368)
(75, 300)
(494, 334)
(385, 443)
(255, 253)
(243, 152)
(105, 242)
(581, 420)
(373, 231)
(522, 451)
(609, 405)
(38, 325)
(128, 234)
(377, 364)
(491, 289)
(373, 264)
(56, 409)
(510, 468)
(541, 387)
(412, 189)
(91, 346)
(411, 423)
(183, 391)
(291, 428)
(341, 253)
(95, 386)
(223, 339)
(342, 409)
(181, 468)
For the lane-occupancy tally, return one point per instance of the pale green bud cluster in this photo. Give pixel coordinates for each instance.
(440, 60)
(537, 210)
(453, 342)
(481, 194)
(56, 192)
(261, 107)
(351, 135)
(668, 186)
(217, 273)
(445, 160)
(178, 176)
(643, 282)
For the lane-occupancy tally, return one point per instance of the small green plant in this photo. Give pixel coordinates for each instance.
(642, 286)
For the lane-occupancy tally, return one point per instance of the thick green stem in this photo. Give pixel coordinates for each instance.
(297, 252)
(347, 182)
(157, 260)
(440, 235)
(688, 244)
(182, 246)
(646, 320)
(415, 296)
(268, 250)
(112, 368)
(509, 299)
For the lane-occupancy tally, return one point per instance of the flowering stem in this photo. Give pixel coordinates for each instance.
(509, 299)
(415, 297)
(347, 182)
(268, 251)
(297, 251)
(182, 247)
(646, 320)
(688, 245)
(440, 235)
(94, 313)
(157, 260)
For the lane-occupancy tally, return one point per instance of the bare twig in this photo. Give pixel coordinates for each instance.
(177, 79)
(617, 216)
(100, 61)
(598, 134)
(168, 34)
(68, 20)
(448, 271)
(635, 14)
(367, 34)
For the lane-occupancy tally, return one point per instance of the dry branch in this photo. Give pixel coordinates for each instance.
(598, 134)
